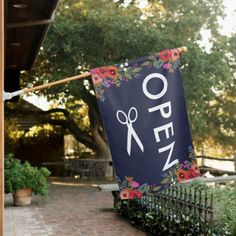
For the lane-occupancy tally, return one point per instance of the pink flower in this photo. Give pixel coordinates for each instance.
(135, 184)
(125, 194)
(96, 79)
(174, 54)
(166, 66)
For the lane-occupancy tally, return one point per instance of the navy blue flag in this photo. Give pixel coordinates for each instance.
(144, 113)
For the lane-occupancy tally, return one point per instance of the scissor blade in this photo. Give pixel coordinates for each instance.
(129, 141)
(134, 134)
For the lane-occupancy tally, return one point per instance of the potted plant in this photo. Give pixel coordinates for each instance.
(21, 179)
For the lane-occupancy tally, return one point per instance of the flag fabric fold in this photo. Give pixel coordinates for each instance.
(144, 114)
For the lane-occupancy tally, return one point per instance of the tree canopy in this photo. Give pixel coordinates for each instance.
(88, 34)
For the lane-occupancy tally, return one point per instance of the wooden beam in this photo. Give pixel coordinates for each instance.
(1, 116)
(220, 179)
(29, 23)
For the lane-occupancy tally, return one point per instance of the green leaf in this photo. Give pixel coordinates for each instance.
(117, 82)
(165, 180)
(152, 57)
(147, 189)
(127, 75)
(157, 188)
(155, 63)
(136, 69)
(146, 63)
(159, 64)
(171, 173)
(142, 188)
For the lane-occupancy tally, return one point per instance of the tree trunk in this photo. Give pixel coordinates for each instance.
(103, 148)
(95, 140)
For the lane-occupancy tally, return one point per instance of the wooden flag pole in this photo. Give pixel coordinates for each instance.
(182, 49)
(62, 81)
(77, 77)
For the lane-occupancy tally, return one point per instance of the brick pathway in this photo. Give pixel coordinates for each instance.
(68, 211)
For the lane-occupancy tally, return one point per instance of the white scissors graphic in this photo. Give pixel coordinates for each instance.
(127, 120)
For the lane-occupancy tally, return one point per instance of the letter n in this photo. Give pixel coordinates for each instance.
(168, 164)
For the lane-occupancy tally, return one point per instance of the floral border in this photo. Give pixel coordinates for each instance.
(109, 76)
(130, 188)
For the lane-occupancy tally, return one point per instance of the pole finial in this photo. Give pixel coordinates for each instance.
(182, 49)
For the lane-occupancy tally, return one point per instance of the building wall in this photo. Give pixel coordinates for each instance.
(48, 149)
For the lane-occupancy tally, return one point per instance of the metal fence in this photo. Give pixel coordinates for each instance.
(182, 201)
(179, 208)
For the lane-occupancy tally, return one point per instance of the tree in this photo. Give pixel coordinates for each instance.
(88, 34)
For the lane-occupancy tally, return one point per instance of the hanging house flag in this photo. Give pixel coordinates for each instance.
(144, 113)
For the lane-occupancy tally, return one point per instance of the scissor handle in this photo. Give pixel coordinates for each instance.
(130, 114)
(118, 116)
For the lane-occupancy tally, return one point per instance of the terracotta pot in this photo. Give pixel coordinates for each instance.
(22, 197)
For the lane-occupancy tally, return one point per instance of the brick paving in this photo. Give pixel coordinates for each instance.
(68, 211)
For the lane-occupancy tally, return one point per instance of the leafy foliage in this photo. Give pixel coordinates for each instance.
(18, 176)
(88, 34)
(225, 207)
(159, 218)
(158, 222)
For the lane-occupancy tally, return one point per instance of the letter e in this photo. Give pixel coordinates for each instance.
(164, 128)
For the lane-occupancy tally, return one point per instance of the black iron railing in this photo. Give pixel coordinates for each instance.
(178, 210)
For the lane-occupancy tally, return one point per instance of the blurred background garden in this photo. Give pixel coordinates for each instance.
(56, 127)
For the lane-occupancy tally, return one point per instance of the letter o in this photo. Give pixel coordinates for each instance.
(151, 76)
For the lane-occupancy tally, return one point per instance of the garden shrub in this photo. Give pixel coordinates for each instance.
(159, 221)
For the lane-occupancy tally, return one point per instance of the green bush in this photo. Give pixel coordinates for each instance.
(18, 176)
(161, 220)
(225, 207)
(158, 222)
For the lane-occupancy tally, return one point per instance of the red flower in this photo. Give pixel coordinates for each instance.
(106, 71)
(112, 72)
(132, 194)
(196, 169)
(191, 174)
(165, 55)
(102, 72)
(181, 175)
(125, 194)
(138, 194)
(135, 193)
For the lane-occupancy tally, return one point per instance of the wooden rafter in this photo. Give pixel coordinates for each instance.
(29, 23)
